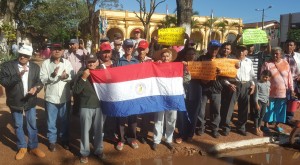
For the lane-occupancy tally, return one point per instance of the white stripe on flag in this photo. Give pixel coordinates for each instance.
(140, 88)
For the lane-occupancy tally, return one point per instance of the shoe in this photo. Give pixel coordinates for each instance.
(199, 132)
(170, 146)
(134, 144)
(37, 152)
(178, 140)
(101, 156)
(52, 147)
(21, 153)
(84, 159)
(215, 134)
(242, 132)
(120, 146)
(143, 140)
(65, 145)
(266, 130)
(225, 133)
(279, 130)
(154, 146)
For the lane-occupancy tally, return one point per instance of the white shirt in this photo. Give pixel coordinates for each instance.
(24, 77)
(57, 90)
(246, 71)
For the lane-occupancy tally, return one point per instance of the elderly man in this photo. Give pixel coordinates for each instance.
(136, 40)
(90, 111)
(22, 83)
(56, 74)
(127, 59)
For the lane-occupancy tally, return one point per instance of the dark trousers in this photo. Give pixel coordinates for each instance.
(110, 127)
(214, 109)
(145, 125)
(132, 123)
(227, 107)
(259, 114)
(252, 108)
(243, 100)
(187, 121)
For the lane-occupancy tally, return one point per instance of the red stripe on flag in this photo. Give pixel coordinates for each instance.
(137, 71)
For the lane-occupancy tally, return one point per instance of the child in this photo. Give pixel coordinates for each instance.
(262, 93)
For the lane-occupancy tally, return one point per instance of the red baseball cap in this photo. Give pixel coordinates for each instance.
(143, 44)
(105, 46)
(137, 30)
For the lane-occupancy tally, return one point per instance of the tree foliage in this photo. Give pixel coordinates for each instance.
(54, 18)
(294, 34)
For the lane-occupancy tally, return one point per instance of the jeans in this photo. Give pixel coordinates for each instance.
(259, 114)
(159, 117)
(30, 116)
(91, 118)
(57, 113)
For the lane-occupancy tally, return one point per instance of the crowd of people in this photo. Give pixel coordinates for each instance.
(264, 81)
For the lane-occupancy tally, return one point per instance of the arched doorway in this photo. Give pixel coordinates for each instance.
(215, 36)
(110, 33)
(132, 33)
(230, 37)
(197, 38)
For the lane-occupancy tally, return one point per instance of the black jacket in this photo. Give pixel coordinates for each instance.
(86, 91)
(12, 82)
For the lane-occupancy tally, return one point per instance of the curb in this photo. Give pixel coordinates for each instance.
(238, 144)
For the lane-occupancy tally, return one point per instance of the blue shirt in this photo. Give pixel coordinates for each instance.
(123, 61)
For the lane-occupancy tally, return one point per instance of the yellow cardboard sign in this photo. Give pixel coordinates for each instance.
(254, 36)
(207, 70)
(204, 70)
(171, 36)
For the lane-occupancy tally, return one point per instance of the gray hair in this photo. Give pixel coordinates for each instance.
(277, 48)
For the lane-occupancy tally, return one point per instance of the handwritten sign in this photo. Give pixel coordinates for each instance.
(254, 36)
(171, 36)
(207, 70)
(227, 67)
(204, 70)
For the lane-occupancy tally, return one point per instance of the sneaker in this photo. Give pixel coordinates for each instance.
(154, 146)
(52, 147)
(170, 146)
(120, 146)
(37, 152)
(178, 140)
(225, 133)
(134, 145)
(199, 132)
(21, 153)
(84, 159)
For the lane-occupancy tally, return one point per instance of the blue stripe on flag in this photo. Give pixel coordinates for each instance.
(143, 105)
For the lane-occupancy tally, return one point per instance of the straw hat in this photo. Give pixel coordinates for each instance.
(157, 54)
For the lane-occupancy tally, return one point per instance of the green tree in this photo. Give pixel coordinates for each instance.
(294, 34)
(54, 18)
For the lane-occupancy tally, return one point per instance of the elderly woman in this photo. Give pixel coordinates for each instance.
(169, 116)
(281, 81)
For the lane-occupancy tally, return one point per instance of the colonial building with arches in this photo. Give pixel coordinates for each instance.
(125, 22)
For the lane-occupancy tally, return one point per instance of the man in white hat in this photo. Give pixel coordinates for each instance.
(21, 80)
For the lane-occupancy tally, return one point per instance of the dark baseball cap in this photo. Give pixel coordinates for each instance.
(215, 43)
(128, 42)
(74, 41)
(91, 58)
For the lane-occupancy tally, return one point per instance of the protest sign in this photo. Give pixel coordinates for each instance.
(254, 36)
(206, 70)
(171, 36)
(227, 67)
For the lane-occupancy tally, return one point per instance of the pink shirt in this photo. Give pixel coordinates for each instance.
(281, 78)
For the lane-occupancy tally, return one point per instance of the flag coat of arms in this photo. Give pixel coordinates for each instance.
(140, 88)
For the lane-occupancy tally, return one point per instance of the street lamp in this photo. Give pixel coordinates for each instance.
(263, 15)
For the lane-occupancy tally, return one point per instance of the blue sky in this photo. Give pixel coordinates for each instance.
(244, 9)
